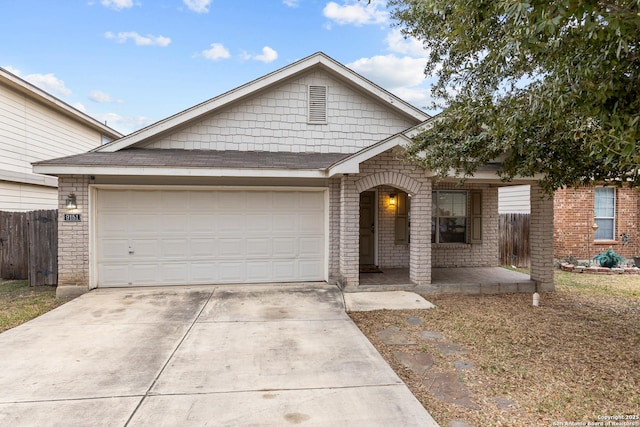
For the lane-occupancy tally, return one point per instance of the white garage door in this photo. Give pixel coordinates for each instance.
(160, 237)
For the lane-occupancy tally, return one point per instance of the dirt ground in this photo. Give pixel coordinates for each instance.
(499, 361)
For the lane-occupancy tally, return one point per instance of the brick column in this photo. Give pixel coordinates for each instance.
(541, 239)
(349, 232)
(73, 237)
(420, 246)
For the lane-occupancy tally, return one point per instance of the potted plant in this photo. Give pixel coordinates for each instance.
(608, 259)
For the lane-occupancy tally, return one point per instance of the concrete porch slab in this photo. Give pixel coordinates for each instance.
(395, 300)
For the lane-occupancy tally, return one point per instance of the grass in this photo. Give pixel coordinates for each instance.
(573, 359)
(20, 303)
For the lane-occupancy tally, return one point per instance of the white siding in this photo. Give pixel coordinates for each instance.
(31, 132)
(514, 199)
(15, 197)
(277, 121)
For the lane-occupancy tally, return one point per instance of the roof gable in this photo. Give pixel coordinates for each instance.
(317, 62)
(27, 89)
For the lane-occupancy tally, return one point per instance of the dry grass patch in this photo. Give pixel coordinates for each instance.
(20, 303)
(574, 358)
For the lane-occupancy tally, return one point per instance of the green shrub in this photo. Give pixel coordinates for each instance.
(608, 259)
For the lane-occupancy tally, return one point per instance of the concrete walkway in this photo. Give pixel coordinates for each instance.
(218, 356)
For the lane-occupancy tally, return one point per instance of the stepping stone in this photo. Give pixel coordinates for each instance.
(448, 388)
(430, 335)
(415, 321)
(450, 349)
(458, 423)
(503, 403)
(419, 363)
(395, 336)
(462, 366)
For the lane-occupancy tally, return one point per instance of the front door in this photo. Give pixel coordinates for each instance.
(367, 227)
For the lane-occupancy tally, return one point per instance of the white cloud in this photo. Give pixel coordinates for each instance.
(79, 106)
(268, 55)
(291, 3)
(397, 43)
(124, 124)
(216, 52)
(139, 40)
(117, 4)
(390, 71)
(198, 6)
(101, 97)
(356, 12)
(49, 82)
(12, 70)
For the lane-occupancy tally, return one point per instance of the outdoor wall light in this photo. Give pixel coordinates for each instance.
(392, 199)
(71, 201)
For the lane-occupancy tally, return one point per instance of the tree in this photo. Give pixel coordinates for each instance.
(547, 87)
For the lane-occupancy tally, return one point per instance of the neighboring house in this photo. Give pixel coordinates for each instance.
(37, 126)
(615, 211)
(515, 199)
(297, 176)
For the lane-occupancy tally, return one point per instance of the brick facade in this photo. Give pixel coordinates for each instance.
(483, 254)
(541, 239)
(574, 217)
(73, 237)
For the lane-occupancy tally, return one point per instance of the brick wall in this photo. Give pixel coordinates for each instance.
(277, 121)
(73, 237)
(483, 254)
(390, 253)
(541, 239)
(574, 217)
(334, 229)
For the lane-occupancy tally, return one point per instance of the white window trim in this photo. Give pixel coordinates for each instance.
(613, 218)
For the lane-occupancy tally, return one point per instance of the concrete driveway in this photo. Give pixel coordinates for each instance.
(220, 356)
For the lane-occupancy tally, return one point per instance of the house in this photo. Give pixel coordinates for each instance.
(37, 126)
(297, 176)
(591, 219)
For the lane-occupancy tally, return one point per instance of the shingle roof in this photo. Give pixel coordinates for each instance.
(200, 159)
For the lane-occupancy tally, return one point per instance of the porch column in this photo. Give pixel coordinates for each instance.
(420, 246)
(349, 232)
(541, 239)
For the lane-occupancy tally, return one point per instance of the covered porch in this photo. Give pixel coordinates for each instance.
(458, 280)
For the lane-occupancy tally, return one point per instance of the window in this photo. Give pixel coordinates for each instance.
(605, 213)
(449, 217)
(403, 218)
(317, 104)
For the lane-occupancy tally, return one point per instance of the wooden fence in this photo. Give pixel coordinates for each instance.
(513, 235)
(29, 246)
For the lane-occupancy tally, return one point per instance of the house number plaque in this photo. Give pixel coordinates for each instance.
(72, 217)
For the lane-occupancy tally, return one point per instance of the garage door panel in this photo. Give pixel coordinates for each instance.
(285, 223)
(284, 270)
(285, 247)
(173, 223)
(203, 248)
(258, 270)
(307, 270)
(207, 237)
(259, 224)
(203, 272)
(142, 274)
(144, 249)
(258, 248)
(231, 272)
(114, 249)
(310, 246)
(174, 248)
(143, 223)
(310, 223)
(144, 200)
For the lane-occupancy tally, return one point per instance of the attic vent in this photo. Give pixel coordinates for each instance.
(317, 104)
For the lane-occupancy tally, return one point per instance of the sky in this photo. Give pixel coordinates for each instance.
(130, 63)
